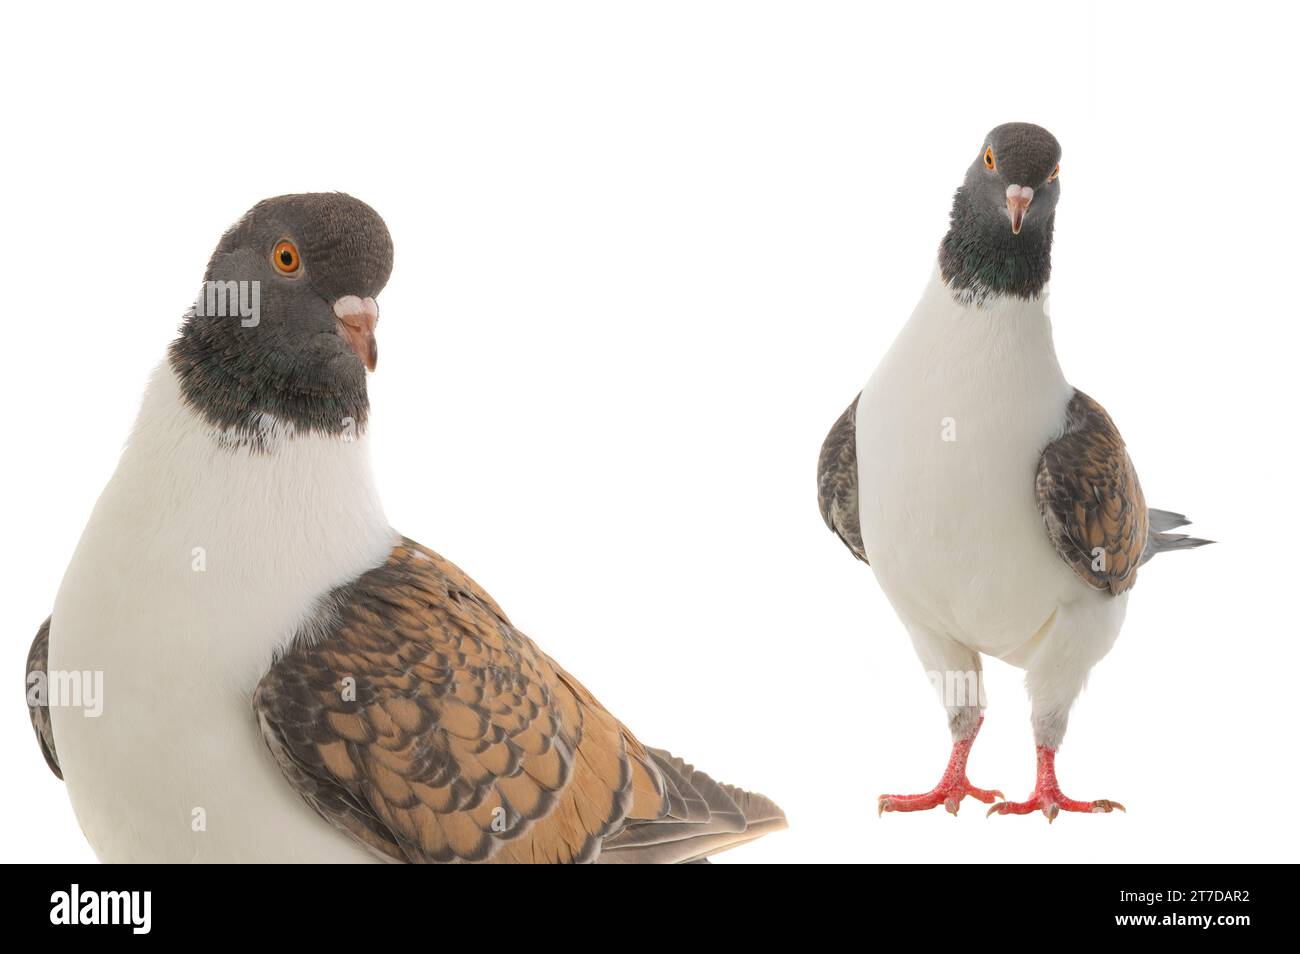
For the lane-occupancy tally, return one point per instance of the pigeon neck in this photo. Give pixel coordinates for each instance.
(237, 391)
(980, 258)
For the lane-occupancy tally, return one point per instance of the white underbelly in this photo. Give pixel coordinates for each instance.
(174, 768)
(950, 429)
(955, 539)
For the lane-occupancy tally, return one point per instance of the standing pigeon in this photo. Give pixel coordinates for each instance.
(285, 678)
(995, 503)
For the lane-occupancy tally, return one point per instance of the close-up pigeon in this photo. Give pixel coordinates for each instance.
(285, 677)
(995, 502)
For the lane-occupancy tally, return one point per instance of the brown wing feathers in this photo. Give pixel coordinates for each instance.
(1090, 498)
(40, 712)
(837, 481)
(425, 725)
(703, 817)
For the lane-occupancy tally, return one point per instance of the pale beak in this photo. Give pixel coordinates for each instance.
(355, 319)
(1018, 199)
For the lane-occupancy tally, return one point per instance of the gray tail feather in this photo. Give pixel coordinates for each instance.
(1158, 541)
(704, 818)
(1162, 520)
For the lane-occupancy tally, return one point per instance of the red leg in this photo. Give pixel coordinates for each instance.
(1047, 794)
(952, 788)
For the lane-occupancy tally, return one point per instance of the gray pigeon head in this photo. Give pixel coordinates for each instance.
(284, 326)
(1003, 214)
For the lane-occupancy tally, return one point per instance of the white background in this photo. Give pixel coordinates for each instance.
(645, 255)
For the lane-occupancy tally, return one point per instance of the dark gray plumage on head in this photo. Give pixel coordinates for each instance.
(1000, 239)
(313, 264)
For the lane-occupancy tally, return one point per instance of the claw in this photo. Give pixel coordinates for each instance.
(999, 809)
(952, 788)
(1047, 796)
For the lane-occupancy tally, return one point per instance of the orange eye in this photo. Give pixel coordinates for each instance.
(1055, 172)
(988, 158)
(285, 257)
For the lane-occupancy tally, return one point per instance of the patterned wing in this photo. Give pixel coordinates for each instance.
(837, 481)
(417, 719)
(1090, 499)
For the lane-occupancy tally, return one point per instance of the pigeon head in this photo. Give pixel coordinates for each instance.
(284, 328)
(1000, 239)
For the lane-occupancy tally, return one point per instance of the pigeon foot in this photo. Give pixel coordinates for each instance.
(1047, 796)
(952, 788)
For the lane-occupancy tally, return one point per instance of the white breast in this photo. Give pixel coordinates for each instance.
(950, 428)
(200, 560)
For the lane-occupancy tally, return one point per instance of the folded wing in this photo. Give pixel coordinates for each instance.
(417, 719)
